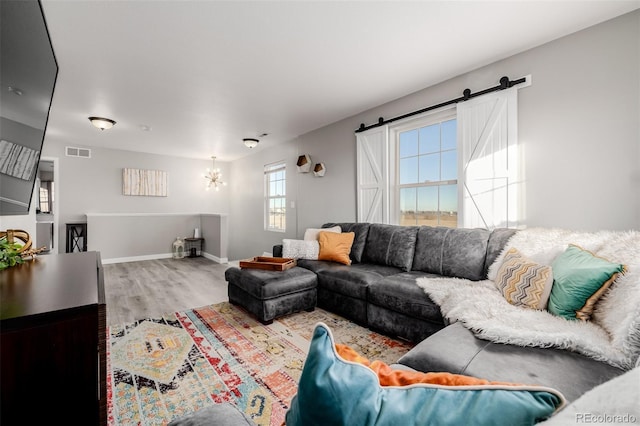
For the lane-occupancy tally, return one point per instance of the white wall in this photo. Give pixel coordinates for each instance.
(247, 236)
(579, 126)
(94, 185)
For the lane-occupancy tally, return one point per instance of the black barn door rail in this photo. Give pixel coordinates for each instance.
(505, 83)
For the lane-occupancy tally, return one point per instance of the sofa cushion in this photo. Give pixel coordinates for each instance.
(400, 293)
(524, 282)
(498, 239)
(329, 383)
(579, 279)
(452, 252)
(311, 234)
(299, 249)
(335, 247)
(391, 245)
(455, 349)
(317, 265)
(361, 230)
(353, 280)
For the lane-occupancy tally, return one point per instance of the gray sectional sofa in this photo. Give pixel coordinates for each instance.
(379, 290)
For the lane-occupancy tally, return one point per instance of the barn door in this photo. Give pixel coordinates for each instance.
(487, 129)
(372, 150)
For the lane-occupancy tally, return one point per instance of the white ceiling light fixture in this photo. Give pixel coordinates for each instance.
(250, 142)
(102, 123)
(214, 177)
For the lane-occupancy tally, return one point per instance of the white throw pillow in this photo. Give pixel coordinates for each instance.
(299, 249)
(311, 234)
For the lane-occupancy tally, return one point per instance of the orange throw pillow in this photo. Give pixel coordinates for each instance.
(335, 247)
(390, 377)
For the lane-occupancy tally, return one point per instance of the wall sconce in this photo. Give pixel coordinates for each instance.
(304, 164)
(319, 170)
(214, 177)
(250, 142)
(102, 123)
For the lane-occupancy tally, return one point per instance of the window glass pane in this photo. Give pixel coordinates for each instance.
(408, 143)
(449, 165)
(429, 168)
(275, 200)
(449, 205)
(409, 170)
(430, 139)
(282, 215)
(427, 213)
(427, 160)
(408, 206)
(449, 134)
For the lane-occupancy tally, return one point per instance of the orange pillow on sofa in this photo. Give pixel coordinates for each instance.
(389, 377)
(335, 247)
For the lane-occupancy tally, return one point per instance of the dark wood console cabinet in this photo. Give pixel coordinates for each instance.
(53, 341)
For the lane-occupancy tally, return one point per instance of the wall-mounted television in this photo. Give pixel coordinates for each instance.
(27, 77)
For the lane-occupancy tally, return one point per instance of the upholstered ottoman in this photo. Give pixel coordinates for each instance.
(272, 294)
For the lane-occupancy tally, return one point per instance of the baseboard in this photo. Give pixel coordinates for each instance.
(137, 258)
(215, 258)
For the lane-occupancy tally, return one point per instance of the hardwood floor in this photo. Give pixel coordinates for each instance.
(136, 290)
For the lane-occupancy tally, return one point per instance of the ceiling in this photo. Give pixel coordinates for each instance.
(203, 75)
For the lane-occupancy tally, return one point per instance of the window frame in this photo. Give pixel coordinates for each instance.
(415, 123)
(269, 170)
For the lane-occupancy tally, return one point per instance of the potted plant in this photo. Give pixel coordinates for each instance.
(10, 253)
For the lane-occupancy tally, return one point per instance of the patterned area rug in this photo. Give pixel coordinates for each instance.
(163, 368)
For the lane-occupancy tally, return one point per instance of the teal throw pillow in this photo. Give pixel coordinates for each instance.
(334, 391)
(579, 279)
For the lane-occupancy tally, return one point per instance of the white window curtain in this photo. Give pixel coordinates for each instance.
(490, 161)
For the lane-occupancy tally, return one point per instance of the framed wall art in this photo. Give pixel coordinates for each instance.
(150, 183)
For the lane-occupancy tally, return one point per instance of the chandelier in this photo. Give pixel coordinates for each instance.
(214, 177)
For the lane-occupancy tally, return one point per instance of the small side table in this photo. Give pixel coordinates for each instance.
(193, 246)
(76, 237)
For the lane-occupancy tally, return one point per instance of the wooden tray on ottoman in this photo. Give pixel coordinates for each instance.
(268, 263)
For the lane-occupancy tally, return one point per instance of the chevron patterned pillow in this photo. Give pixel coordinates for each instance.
(524, 282)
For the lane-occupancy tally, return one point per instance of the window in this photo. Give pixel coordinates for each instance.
(275, 197)
(44, 200)
(455, 167)
(427, 172)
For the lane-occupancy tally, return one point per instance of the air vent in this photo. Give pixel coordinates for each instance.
(72, 151)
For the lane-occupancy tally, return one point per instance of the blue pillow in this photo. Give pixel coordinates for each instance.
(333, 391)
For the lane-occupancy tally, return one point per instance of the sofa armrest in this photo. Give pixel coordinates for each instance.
(277, 250)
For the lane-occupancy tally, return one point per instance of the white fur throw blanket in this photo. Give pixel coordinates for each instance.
(613, 335)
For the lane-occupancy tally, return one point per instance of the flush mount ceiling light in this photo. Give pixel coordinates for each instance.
(214, 177)
(250, 142)
(102, 123)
